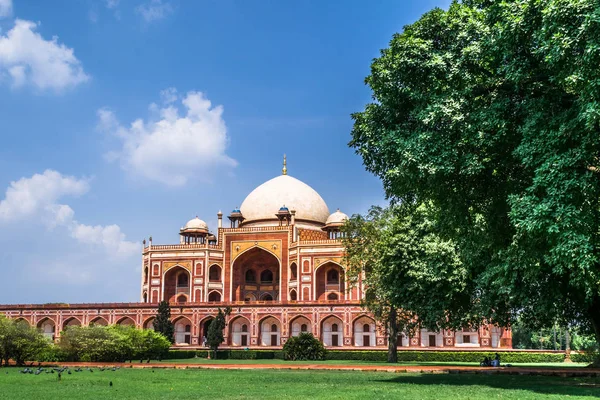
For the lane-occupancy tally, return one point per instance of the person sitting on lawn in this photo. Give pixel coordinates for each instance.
(485, 362)
(496, 361)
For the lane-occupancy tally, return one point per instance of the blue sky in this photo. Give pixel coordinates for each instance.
(124, 119)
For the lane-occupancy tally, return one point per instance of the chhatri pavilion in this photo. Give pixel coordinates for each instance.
(277, 262)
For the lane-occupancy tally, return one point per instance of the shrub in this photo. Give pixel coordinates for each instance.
(587, 357)
(20, 342)
(304, 347)
(447, 356)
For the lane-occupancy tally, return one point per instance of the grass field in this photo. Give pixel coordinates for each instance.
(358, 362)
(277, 384)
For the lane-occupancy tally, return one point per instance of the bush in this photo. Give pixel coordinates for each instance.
(111, 343)
(303, 347)
(587, 357)
(20, 342)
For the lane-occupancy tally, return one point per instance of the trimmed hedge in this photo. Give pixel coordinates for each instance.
(448, 356)
(587, 357)
(405, 355)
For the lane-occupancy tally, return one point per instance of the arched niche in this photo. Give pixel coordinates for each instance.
(176, 281)
(270, 332)
(48, 328)
(99, 321)
(332, 332)
(330, 282)
(240, 332)
(183, 331)
(299, 325)
(255, 272)
(364, 332)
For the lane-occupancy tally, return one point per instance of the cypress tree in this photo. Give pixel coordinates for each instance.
(162, 323)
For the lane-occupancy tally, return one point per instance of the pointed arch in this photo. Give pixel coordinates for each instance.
(126, 321)
(99, 321)
(300, 324)
(270, 331)
(256, 247)
(364, 330)
(48, 327)
(328, 278)
(215, 273)
(183, 330)
(332, 331)
(266, 271)
(214, 296)
(204, 325)
(177, 280)
(149, 323)
(71, 321)
(239, 331)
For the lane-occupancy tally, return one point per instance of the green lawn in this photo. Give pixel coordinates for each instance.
(277, 384)
(358, 362)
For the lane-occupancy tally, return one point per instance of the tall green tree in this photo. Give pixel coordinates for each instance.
(412, 277)
(162, 323)
(20, 342)
(215, 331)
(491, 111)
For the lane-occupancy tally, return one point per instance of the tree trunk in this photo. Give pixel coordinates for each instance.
(594, 312)
(392, 356)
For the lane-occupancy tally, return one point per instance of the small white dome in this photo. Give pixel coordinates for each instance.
(265, 201)
(196, 223)
(337, 218)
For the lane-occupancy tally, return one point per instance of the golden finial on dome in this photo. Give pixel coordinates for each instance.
(284, 170)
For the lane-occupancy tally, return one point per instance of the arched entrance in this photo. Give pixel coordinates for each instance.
(99, 321)
(256, 274)
(300, 324)
(183, 331)
(270, 331)
(177, 285)
(240, 332)
(214, 273)
(71, 322)
(330, 285)
(126, 321)
(149, 323)
(204, 325)
(48, 328)
(364, 332)
(332, 332)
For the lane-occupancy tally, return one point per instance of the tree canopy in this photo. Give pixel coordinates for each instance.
(412, 277)
(490, 111)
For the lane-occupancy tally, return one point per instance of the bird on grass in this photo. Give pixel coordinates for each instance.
(110, 384)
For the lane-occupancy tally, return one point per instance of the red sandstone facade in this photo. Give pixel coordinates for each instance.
(280, 270)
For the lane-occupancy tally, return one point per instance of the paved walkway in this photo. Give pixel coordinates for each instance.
(548, 371)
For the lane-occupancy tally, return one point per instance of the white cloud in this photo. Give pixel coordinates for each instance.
(28, 196)
(5, 8)
(154, 10)
(109, 237)
(112, 4)
(169, 95)
(36, 199)
(27, 58)
(175, 147)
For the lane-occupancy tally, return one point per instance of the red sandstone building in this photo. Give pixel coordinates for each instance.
(279, 265)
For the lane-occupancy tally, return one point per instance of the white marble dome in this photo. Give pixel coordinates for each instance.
(195, 224)
(336, 219)
(265, 201)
